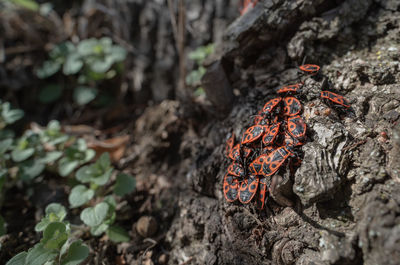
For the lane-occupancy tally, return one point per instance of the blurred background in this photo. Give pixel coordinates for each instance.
(59, 58)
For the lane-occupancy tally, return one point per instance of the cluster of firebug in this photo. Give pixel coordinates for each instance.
(272, 144)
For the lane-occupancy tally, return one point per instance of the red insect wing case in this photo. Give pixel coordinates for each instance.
(229, 145)
(291, 106)
(255, 167)
(310, 68)
(236, 169)
(290, 88)
(262, 192)
(248, 189)
(270, 105)
(253, 133)
(335, 98)
(296, 127)
(274, 161)
(271, 134)
(230, 188)
(235, 153)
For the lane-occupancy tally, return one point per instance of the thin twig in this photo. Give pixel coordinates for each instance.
(173, 22)
(181, 49)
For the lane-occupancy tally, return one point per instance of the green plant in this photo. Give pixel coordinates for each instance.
(37, 149)
(28, 4)
(194, 77)
(8, 115)
(56, 246)
(100, 217)
(89, 62)
(74, 156)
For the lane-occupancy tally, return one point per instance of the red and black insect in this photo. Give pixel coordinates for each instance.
(248, 189)
(291, 106)
(270, 106)
(275, 160)
(270, 136)
(255, 167)
(296, 127)
(254, 133)
(268, 149)
(245, 152)
(235, 153)
(236, 169)
(231, 188)
(311, 69)
(291, 141)
(262, 192)
(291, 89)
(229, 145)
(259, 118)
(335, 98)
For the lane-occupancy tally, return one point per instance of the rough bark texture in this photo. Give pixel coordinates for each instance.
(347, 203)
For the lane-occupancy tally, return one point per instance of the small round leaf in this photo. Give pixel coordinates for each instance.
(79, 196)
(94, 216)
(83, 95)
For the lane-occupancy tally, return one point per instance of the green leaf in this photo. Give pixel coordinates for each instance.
(39, 255)
(125, 184)
(73, 64)
(18, 259)
(49, 68)
(66, 166)
(87, 47)
(55, 235)
(61, 51)
(94, 216)
(12, 116)
(77, 253)
(19, 155)
(93, 174)
(6, 134)
(199, 92)
(111, 202)
(28, 4)
(117, 234)
(79, 196)
(103, 178)
(52, 156)
(42, 224)
(81, 144)
(83, 95)
(56, 209)
(117, 53)
(30, 169)
(97, 173)
(5, 145)
(104, 160)
(2, 226)
(50, 93)
(201, 53)
(105, 43)
(85, 174)
(98, 230)
(101, 65)
(89, 155)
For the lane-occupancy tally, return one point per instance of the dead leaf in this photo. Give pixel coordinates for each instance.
(120, 260)
(114, 146)
(80, 130)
